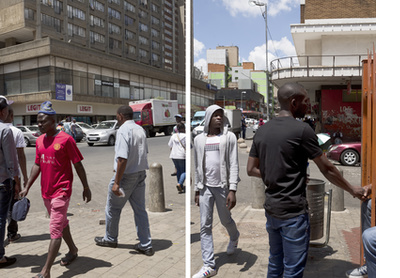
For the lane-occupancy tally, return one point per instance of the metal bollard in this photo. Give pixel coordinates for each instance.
(156, 188)
(338, 197)
(258, 193)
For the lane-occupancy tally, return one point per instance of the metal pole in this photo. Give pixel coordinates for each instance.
(266, 57)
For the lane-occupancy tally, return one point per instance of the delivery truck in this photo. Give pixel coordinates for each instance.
(234, 122)
(155, 115)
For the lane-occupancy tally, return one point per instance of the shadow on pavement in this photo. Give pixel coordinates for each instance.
(158, 245)
(33, 238)
(83, 265)
(240, 257)
(194, 238)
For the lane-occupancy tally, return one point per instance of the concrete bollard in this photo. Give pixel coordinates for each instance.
(337, 196)
(156, 188)
(258, 193)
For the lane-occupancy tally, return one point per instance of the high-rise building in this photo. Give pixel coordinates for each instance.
(90, 56)
(233, 55)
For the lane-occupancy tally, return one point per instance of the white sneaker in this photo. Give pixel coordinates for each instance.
(232, 246)
(205, 272)
(360, 272)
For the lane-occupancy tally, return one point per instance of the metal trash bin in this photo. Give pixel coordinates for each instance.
(316, 204)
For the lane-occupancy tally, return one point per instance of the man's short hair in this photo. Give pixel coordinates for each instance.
(126, 111)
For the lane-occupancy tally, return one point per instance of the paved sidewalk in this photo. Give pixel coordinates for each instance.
(250, 260)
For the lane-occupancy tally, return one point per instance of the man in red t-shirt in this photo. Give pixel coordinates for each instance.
(55, 151)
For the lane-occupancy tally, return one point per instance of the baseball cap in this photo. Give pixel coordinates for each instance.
(46, 108)
(178, 115)
(4, 102)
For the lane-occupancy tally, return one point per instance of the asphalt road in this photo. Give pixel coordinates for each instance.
(98, 163)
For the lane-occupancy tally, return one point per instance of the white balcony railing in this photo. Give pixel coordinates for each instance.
(317, 66)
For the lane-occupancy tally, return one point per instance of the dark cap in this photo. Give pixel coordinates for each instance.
(4, 102)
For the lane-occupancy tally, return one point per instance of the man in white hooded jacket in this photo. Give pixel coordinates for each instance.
(216, 179)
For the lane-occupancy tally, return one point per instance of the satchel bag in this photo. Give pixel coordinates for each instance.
(20, 209)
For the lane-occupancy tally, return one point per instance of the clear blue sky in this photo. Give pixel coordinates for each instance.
(235, 22)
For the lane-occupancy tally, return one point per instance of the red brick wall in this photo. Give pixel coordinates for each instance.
(216, 68)
(248, 65)
(323, 9)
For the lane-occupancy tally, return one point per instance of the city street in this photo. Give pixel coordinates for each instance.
(168, 229)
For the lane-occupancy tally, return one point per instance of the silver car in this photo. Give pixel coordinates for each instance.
(31, 133)
(105, 132)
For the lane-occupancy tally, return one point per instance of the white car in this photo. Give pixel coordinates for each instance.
(250, 121)
(198, 129)
(105, 132)
(85, 128)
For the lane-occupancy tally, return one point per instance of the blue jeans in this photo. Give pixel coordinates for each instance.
(369, 243)
(6, 194)
(288, 240)
(180, 165)
(134, 188)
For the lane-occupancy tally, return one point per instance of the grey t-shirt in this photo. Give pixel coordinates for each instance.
(131, 144)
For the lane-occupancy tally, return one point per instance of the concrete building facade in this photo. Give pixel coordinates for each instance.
(331, 41)
(90, 56)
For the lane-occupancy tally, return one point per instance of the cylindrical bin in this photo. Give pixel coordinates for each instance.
(315, 198)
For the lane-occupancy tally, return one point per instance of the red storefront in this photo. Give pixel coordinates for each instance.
(341, 112)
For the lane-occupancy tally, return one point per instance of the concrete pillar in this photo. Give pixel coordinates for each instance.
(156, 188)
(338, 197)
(258, 193)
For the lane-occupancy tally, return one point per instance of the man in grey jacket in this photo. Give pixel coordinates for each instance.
(216, 179)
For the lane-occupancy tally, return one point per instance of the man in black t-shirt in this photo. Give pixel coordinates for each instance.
(279, 155)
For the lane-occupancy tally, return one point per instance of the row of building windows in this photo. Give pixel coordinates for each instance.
(76, 13)
(96, 5)
(76, 30)
(84, 83)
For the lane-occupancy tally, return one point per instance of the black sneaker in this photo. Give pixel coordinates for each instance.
(14, 237)
(9, 261)
(173, 174)
(100, 241)
(147, 252)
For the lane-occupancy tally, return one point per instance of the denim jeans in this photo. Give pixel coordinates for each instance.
(209, 196)
(6, 194)
(180, 165)
(288, 240)
(369, 243)
(12, 228)
(134, 188)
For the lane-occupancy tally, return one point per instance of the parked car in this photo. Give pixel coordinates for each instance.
(347, 154)
(79, 131)
(85, 128)
(105, 132)
(250, 121)
(31, 133)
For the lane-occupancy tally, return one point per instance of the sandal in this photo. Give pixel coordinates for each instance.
(68, 259)
(38, 276)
